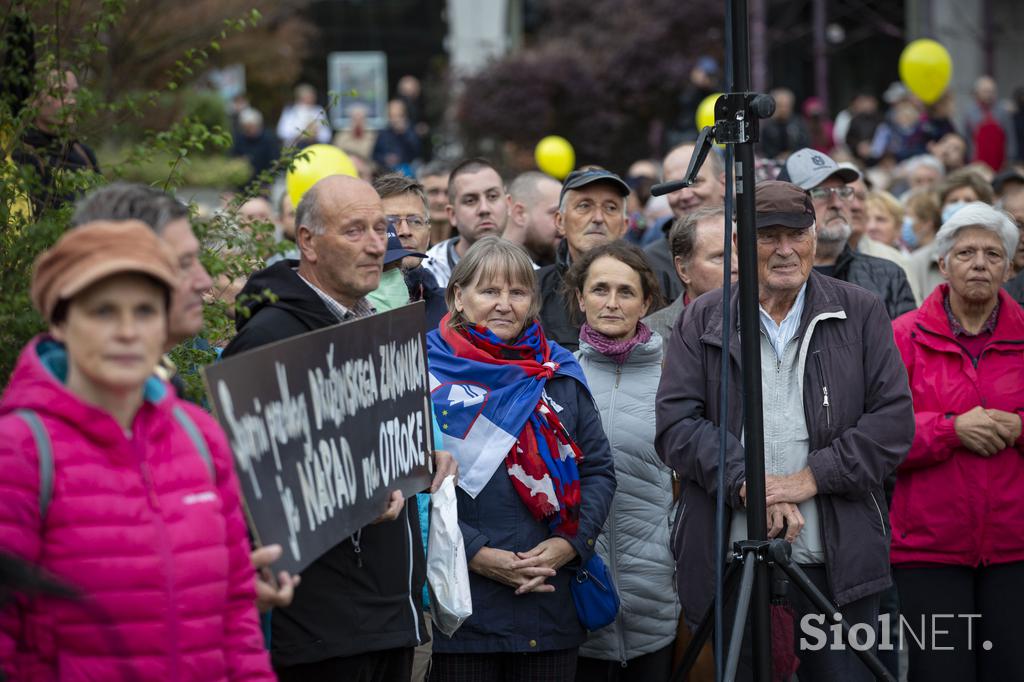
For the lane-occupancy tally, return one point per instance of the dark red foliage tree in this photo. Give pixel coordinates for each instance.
(605, 74)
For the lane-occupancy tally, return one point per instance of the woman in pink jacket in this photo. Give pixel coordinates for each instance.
(958, 506)
(116, 488)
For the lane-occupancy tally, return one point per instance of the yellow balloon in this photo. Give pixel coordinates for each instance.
(706, 111)
(925, 68)
(555, 156)
(315, 163)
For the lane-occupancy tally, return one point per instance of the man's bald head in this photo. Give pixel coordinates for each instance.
(332, 192)
(708, 188)
(342, 237)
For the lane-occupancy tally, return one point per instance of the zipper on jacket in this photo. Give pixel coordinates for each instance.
(620, 636)
(881, 518)
(824, 391)
(412, 601)
(356, 537)
(168, 561)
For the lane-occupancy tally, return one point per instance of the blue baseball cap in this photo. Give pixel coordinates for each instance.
(395, 249)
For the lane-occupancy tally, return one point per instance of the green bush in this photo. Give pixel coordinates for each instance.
(216, 171)
(190, 150)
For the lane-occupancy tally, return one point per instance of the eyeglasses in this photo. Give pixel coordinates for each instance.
(825, 193)
(414, 221)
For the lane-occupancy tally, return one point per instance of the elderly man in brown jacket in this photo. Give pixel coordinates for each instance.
(838, 419)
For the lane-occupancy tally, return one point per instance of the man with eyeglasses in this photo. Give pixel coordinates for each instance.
(407, 211)
(828, 185)
(838, 420)
(591, 212)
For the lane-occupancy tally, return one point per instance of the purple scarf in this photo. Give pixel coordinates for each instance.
(615, 350)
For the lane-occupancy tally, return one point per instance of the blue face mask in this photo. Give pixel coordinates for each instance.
(949, 210)
(907, 234)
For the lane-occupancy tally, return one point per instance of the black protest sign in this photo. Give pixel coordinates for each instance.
(324, 425)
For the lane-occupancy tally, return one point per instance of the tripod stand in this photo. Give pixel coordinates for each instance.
(737, 116)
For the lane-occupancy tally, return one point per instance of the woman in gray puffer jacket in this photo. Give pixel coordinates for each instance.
(621, 359)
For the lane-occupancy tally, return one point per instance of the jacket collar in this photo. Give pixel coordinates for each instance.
(562, 259)
(842, 265)
(932, 320)
(822, 298)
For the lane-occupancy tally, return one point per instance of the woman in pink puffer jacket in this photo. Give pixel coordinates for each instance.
(146, 528)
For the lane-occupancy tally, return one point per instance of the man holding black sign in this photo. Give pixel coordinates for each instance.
(357, 613)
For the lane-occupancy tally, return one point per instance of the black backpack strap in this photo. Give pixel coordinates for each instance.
(44, 452)
(197, 439)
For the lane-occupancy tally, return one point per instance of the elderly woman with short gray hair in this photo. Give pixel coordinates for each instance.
(958, 506)
(537, 476)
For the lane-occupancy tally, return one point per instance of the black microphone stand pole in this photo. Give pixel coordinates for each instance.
(750, 346)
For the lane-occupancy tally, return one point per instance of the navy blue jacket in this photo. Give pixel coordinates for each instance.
(501, 621)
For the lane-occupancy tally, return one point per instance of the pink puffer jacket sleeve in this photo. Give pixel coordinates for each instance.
(20, 533)
(244, 651)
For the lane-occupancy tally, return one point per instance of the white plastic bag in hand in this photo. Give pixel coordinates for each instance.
(447, 573)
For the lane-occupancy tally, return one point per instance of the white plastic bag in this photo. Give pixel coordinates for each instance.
(447, 573)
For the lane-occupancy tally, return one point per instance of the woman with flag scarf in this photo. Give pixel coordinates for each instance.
(621, 358)
(536, 471)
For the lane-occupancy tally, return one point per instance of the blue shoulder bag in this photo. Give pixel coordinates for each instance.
(594, 594)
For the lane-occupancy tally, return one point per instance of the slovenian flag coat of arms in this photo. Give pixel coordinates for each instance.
(482, 407)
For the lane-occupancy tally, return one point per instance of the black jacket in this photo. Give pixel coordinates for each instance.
(356, 598)
(423, 287)
(555, 319)
(51, 156)
(883, 278)
(261, 151)
(857, 438)
(1015, 287)
(659, 256)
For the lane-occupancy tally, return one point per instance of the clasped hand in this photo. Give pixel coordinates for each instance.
(986, 432)
(782, 495)
(525, 571)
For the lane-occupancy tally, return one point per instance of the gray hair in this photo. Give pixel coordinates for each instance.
(487, 260)
(926, 161)
(129, 201)
(978, 214)
(249, 116)
(309, 212)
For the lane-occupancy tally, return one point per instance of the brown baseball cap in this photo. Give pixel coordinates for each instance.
(782, 204)
(94, 251)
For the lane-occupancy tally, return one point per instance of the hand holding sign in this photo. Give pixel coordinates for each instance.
(328, 429)
(271, 593)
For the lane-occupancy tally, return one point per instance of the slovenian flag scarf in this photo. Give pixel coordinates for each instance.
(489, 399)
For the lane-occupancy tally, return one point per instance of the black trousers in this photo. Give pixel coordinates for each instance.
(653, 667)
(951, 612)
(391, 665)
(817, 663)
(543, 666)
